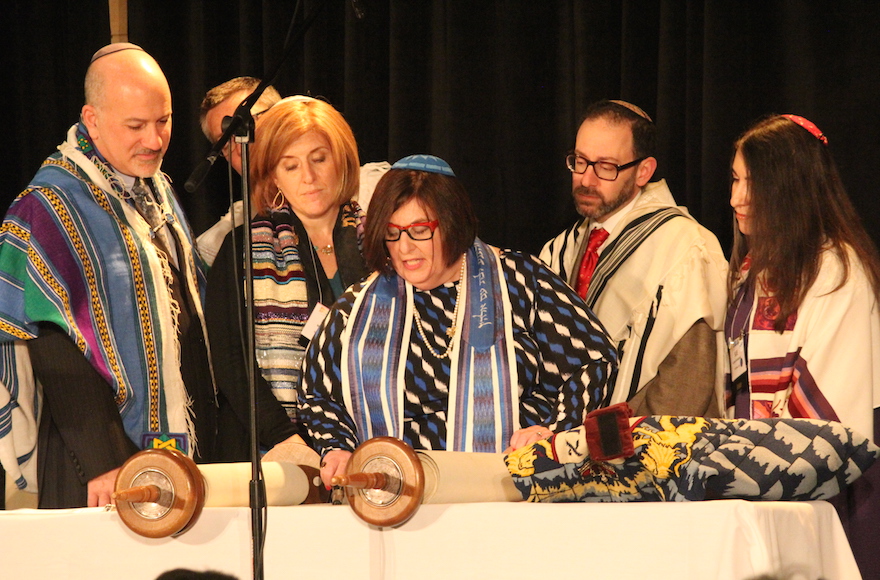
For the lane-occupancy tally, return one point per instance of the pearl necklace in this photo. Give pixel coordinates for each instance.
(450, 332)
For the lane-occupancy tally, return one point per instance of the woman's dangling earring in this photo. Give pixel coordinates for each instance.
(277, 201)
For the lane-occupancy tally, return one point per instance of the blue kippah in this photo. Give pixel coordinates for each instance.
(428, 163)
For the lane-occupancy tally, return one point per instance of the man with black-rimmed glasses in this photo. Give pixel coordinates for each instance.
(653, 276)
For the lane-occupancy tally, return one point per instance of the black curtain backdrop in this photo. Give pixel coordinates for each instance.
(495, 88)
(45, 47)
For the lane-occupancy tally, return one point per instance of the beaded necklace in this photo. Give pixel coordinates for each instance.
(450, 332)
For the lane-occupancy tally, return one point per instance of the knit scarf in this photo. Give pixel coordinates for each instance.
(288, 283)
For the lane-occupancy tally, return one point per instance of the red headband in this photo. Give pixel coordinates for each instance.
(809, 126)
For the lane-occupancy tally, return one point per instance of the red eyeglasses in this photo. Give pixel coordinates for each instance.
(418, 232)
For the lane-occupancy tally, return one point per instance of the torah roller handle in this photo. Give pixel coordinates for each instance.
(386, 481)
(161, 492)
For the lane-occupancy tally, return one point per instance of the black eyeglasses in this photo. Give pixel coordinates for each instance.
(604, 170)
(418, 232)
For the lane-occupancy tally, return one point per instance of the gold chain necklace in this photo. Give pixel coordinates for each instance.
(450, 332)
(326, 250)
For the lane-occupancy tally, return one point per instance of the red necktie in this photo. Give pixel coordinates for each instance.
(588, 262)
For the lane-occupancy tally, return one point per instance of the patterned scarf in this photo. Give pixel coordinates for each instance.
(483, 401)
(288, 283)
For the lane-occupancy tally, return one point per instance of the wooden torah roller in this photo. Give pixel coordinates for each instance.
(386, 481)
(161, 492)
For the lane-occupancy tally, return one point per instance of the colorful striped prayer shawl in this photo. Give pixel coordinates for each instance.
(281, 292)
(824, 365)
(74, 253)
(483, 407)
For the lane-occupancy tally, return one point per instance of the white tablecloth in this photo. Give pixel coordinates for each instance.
(728, 539)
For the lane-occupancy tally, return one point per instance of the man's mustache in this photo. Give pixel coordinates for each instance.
(585, 190)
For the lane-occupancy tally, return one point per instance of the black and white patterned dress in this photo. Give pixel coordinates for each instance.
(564, 360)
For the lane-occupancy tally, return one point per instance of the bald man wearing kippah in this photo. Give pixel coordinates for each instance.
(100, 299)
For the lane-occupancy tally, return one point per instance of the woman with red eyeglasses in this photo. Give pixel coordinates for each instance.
(450, 344)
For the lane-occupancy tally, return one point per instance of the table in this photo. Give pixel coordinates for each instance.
(725, 539)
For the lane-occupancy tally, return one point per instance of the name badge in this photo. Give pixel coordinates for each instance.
(319, 313)
(736, 348)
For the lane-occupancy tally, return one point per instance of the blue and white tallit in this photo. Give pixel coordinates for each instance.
(483, 408)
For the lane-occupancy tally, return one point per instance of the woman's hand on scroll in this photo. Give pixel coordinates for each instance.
(334, 463)
(527, 436)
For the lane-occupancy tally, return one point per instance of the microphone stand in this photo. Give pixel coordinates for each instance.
(241, 124)
(257, 487)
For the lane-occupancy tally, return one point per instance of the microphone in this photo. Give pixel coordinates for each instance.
(359, 9)
(198, 175)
